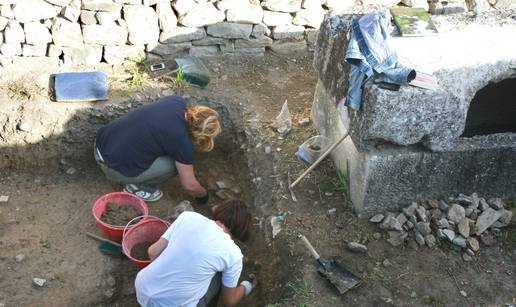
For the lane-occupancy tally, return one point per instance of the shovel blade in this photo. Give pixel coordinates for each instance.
(338, 275)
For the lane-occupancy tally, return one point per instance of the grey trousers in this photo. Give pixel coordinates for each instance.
(151, 179)
(211, 297)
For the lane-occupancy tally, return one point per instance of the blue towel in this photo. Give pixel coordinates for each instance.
(81, 86)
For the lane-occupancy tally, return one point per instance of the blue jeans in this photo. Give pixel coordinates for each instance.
(150, 180)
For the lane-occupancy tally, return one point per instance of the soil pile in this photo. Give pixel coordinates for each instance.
(139, 251)
(119, 215)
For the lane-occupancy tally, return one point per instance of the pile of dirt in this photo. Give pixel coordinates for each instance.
(139, 251)
(119, 215)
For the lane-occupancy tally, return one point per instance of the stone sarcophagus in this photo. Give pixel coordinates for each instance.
(415, 144)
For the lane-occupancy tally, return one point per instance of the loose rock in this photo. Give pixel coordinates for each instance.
(357, 247)
(443, 206)
(463, 227)
(488, 239)
(390, 223)
(377, 235)
(410, 210)
(450, 234)
(377, 218)
(419, 239)
(486, 219)
(442, 223)
(456, 213)
(402, 219)
(39, 282)
(505, 217)
(423, 228)
(397, 237)
(430, 240)
(386, 263)
(483, 204)
(459, 241)
(496, 203)
(19, 258)
(470, 252)
(466, 257)
(473, 244)
(421, 214)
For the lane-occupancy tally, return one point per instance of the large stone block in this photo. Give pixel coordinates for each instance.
(82, 55)
(33, 10)
(272, 19)
(202, 15)
(204, 51)
(118, 54)
(308, 4)
(505, 5)
(14, 33)
(288, 47)
(61, 3)
(309, 17)
(182, 34)
(245, 14)
(100, 5)
(34, 50)
(37, 34)
(3, 23)
(72, 13)
(88, 17)
(168, 49)
(166, 17)
(288, 6)
(142, 22)
(260, 30)
(263, 41)
(288, 32)
(11, 49)
(109, 35)
(108, 18)
(6, 11)
(183, 6)
(54, 51)
(258, 51)
(230, 30)
(210, 41)
(65, 33)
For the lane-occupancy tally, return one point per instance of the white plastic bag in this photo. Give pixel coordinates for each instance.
(284, 120)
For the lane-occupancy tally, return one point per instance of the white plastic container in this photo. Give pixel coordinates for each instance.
(313, 148)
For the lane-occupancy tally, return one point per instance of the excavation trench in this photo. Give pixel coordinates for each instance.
(53, 181)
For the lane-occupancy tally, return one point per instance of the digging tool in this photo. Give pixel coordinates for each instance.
(333, 271)
(294, 198)
(108, 247)
(327, 152)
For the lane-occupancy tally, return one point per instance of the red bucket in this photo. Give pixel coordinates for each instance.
(116, 232)
(149, 230)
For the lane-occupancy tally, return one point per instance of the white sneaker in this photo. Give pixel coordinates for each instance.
(146, 196)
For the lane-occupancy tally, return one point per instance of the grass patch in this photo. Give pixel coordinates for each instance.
(301, 293)
(138, 72)
(21, 89)
(179, 83)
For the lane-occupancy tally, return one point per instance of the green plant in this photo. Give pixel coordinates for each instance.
(138, 71)
(179, 82)
(341, 183)
(301, 293)
(44, 243)
(21, 89)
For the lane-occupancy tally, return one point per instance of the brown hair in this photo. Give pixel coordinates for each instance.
(233, 213)
(204, 126)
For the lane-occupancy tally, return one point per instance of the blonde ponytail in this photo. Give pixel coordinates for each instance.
(204, 126)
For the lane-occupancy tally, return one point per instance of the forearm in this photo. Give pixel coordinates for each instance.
(233, 298)
(195, 189)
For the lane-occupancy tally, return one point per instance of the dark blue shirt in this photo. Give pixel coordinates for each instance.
(131, 143)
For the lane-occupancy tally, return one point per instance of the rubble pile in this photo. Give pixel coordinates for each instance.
(463, 221)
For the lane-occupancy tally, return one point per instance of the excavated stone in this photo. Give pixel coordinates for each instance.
(496, 203)
(421, 214)
(263, 41)
(309, 17)
(72, 13)
(396, 238)
(459, 241)
(449, 234)
(182, 34)
(168, 49)
(456, 213)
(11, 49)
(166, 17)
(260, 30)
(6, 11)
(210, 41)
(410, 210)
(230, 30)
(463, 227)
(357, 247)
(483, 204)
(423, 228)
(245, 14)
(486, 219)
(288, 6)
(108, 35)
(390, 223)
(33, 10)
(288, 32)
(420, 239)
(82, 55)
(13, 33)
(183, 6)
(273, 19)
(202, 15)
(88, 17)
(473, 244)
(204, 51)
(100, 5)
(430, 240)
(108, 18)
(142, 24)
(66, 33)
(376, 218)
(34, 50)
(505, 217)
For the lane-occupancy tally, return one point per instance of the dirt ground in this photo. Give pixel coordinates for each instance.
(49, 211)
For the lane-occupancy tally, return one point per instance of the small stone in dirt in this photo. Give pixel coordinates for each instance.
(311, 192)
(486, 219)
(332, 211)
(4, 198)
(357, 247)
(39, 282)
(442, 223)
(71, 171)
(456, 213)
(459, 241)
(377, 235)
(470, 252)
(377, 218)
(433, 203)
(483, 204)
(463, 199)
(473, 244)
(221, 184)
(23, 127)
(496, 203)
(463, 227)
(423, 228)
(397, 237)
(268, 150)
(328, 194)
(430, 240)
(413, 294)
(436, 214)
(419, 238)
(304, 122)
(467, 257)
(421, 214)
(402, 219)
(443, 206)
(506, 217)
(19, 258)
(463, 293)
(390, 223)
(450, 234)
(236, 190)
(410, 210)
(488, 239)
(386, 263)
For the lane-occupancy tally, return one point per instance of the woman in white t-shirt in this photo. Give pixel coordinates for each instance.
(194, 257)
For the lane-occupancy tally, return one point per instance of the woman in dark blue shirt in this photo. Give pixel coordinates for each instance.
(147, 146)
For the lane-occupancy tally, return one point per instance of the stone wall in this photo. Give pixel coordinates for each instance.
(94, 31)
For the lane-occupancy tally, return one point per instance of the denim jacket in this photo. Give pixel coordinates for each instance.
(369, 54)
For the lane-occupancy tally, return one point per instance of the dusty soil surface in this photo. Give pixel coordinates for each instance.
(49, 211)
(119, 215)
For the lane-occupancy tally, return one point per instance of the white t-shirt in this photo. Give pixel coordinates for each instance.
(180, 276)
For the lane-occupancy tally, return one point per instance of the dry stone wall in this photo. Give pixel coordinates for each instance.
(90, 31)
